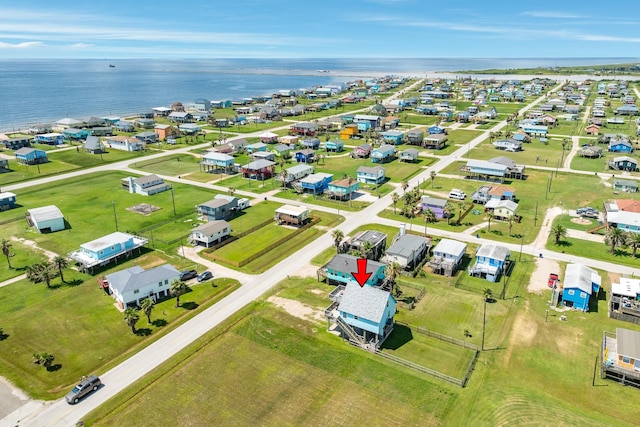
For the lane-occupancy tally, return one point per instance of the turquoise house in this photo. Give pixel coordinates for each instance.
(258, 146)
(75, 134)
(394, 137)
(334, 145)
(341, 266)
(104, 249)
(490, 262)
(343, 189)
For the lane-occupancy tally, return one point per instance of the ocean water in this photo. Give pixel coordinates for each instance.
(44, 91)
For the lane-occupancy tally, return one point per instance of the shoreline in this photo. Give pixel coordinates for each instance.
(345, 74)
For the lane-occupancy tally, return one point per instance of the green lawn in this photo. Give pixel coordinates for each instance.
(91, 205)
(22, 257)
(37, 319)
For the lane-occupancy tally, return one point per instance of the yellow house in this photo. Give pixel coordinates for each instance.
(502, 209)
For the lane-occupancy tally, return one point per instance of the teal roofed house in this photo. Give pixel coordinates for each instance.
(106, 249)
(74, 134)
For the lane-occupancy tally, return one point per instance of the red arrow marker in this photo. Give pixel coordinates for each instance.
(361, 275)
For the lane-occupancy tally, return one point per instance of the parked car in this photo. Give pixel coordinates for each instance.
(553, 279)
(203, 277)
(85, 386)
(457, 194)
(187, 275)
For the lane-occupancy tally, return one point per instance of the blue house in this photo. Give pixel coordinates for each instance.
(213, 161)
(483, 169)
(393, 137)
(31, 156)
(370, 175)
(368, 312)
(316, 183)
(334, 145)
(341, 266)
(463, 117)
(580, 282)
(49, 138)
(535, 130)
(343, 188)
(363, 126)
(16, 143)
(447, 116)
(305, 156)
(490, 262)
(436, 129)
(620, 146)
(383, 154)
(105, 249)
(7, 201)
(427, 109)
(124, 126)
(374, 121)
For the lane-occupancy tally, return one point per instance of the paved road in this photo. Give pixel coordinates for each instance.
(58, 413)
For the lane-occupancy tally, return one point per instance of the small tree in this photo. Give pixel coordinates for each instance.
(6, 250)
(392, 271)
(367, 249)
(146, 306)
(60, 263)
(448, 211)
(404, 185)
(558, 232)
(177, 289)
(432, 174)
(131, 316)
(41, 272)
(489, 218)
(487, 293)
(429, 217)
(44, 359)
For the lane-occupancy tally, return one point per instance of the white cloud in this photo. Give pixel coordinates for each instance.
(23, 45)
(80, 45)
(552, 14)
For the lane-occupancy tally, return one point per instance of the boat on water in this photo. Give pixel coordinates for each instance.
(112, 66)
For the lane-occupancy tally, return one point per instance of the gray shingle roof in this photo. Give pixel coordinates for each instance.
(365, 302)
(136, 277)
(493, 252)
(628, 343)
(406, 245)
(348, 264)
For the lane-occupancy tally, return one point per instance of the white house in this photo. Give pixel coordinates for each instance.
(293, 215)
(146, 185)
(407, 251)
(210, 233)
(129, 287)
(46, 219)
(124, 143)
(450, 250)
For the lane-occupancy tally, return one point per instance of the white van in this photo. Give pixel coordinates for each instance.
(457, 194)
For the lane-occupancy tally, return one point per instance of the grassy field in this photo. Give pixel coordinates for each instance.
(94, 199)
(23, 256)
(37, 319)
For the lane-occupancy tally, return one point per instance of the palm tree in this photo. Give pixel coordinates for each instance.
(615, 237)
(633, 240)
(489, 218)
(448, 211)
(40, 272)
(147, 307)
(395, 198)
(60, 263)
(510, 221)
(6, 250)
(350, 181)
(178, 288)
(432, 174)
(558, 232)
(429, 216)
(131, 316)
(337, 235)
(404, 185)
(392, 271)
(487, 293)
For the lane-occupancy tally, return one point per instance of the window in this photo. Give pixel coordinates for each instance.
(626, 359)
(160, 283)
(113, 248)
(136, 291)
(166, 282)
(101, 252)
(571, 292)
(355, 317)
(583, 294)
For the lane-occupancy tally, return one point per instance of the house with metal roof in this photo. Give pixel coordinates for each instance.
(383, 154)
(376, 240)
(146, 185)
(105, 249)
(624, 163)
(210, 233)
(7, 201)
(31, 156)
(259, 169)
(212, 161)
(435, 204)
(628, 185)
(291, 215)
(316, 183)
(93, 145)
(501, 209)
(580, 283)
(409, 155)
(491, 262)
(447, 256)
(623, 214)
(51, 138)
(297, 172)
(46, 219)
(217, 208)
(15, 143)
(408, 250)
(130, 286)
(125, 143)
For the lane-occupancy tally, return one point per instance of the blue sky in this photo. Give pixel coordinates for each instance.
(319, 29)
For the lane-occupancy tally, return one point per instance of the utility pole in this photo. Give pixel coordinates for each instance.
(173, 201)
(484, 321)
(115, 217)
